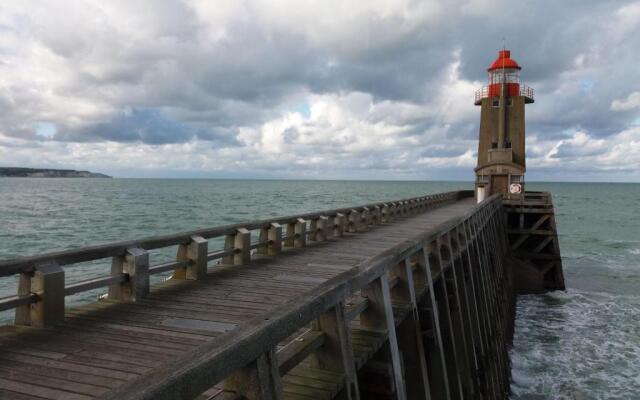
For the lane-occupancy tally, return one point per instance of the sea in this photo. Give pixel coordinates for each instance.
(580, 344)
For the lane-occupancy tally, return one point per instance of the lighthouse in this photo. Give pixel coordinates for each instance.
(501, 148)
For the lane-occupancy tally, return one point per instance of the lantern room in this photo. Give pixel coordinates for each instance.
(504, 70)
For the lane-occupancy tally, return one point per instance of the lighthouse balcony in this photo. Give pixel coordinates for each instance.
(513, 89)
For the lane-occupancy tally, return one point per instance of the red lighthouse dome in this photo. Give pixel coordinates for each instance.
(505, 61)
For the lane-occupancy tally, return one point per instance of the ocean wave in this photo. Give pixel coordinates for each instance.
(576, 342)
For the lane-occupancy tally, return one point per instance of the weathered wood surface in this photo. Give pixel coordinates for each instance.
(408, 300)
(103, 345)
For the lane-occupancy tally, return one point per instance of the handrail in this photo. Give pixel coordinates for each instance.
(91, 253)
(211, 362)
(131, 268)
(524, 90)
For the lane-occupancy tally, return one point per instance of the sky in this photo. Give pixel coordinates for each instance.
(331, 89)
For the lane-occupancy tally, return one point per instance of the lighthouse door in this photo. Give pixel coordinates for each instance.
(499, 184)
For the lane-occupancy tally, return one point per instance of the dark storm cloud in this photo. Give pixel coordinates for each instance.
(167, 72)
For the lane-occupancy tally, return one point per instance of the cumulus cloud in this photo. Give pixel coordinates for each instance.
(376, 89)
(631, 102)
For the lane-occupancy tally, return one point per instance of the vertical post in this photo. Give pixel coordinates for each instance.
(23, 313)
(318, 228)
(379, 316)
(240, 243)
(300, 233)
(47, 282)
(135, 263)
(196, 252)
(366, 218)
(336, 354)
(329, 227)
(354, 221)
(340, 224)
(410, 335)
(386, 213)
(260, 380)
(274, 236)
(438, 363)
(376, 215)
(451, 349)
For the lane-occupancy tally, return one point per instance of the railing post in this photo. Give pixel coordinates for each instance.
(134, 263)
(366, 218)
(196, 252)
(47, 283)
(318, 228)
(23, 313)
(274, 235)
(329, 227)
(354, 221)
(336, 354)
(271, 236)
(393, 210)
(260, 380)
(340, 224)
(240, 243)
(376, 215)
(300, 233)
(386, 213)
(379, 316)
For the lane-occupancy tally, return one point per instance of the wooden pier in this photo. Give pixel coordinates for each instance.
(410, 299)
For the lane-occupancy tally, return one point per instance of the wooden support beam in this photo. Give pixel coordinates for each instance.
(450, 345)
(409, 333)
(336, 354)
(436, 361)
(469, 317)
(379, 316)
(294, 352)
(260, 380)
(195, 252)
(135, 263)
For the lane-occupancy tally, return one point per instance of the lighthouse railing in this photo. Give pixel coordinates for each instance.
(524, 90)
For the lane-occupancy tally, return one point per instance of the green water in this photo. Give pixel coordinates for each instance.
(585, 341)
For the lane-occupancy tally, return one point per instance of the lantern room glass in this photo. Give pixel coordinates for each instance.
(506, 75)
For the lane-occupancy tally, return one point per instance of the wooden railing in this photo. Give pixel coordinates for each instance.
(461, 260)
(40, 298)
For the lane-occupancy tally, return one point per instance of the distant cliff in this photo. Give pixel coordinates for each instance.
(47, 173)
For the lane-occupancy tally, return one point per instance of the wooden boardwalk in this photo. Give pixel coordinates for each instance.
(411, 299)
(102, 345)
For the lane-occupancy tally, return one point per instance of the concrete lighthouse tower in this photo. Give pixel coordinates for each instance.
(501, 154)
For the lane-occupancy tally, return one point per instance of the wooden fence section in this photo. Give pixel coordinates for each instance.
(412, 299)
(41, 289)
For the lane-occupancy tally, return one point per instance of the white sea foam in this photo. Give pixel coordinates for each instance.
(577, 342)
